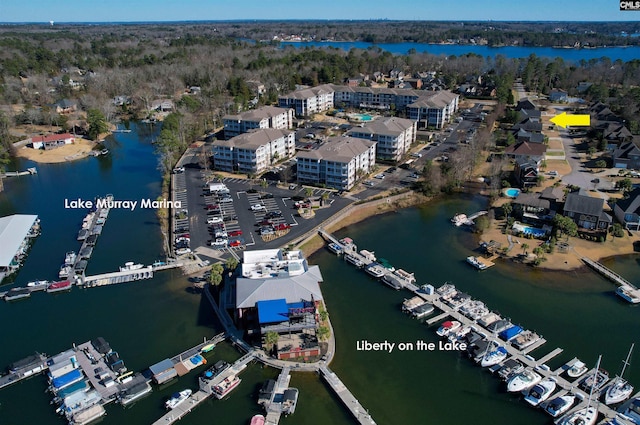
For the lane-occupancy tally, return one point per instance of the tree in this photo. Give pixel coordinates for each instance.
(308, 191)
(617, 230)
(271, 339)
(323, 333)
(565, 225)
(507, 209)
(481, 224)
(525, 246)
(215, 275)
(97, 123)
(625, 185)
(231, 263)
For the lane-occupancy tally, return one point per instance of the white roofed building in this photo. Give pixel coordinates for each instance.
(394, 136)
(264, 117)
(15, 233)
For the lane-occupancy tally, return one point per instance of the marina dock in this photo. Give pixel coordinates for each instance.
(273, 408)
(454, 311)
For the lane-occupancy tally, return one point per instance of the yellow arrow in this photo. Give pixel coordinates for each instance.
(563, 120)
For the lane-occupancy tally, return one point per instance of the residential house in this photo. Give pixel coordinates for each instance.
(51, 141)
(162, 105)
(526, 136)
(338, 163)
(534, 152)
(558, 95)
(538, 208)
(525, 104)
(587, 212)
(526, 172)
(66, 106)
(627, 210)
(627, 155)
(264, 117)
(253, 152)
(257, 88)
(583, 86)
(394, 136)
(121, 100)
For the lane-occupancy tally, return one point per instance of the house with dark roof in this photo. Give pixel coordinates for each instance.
(558, 95)
(66, 106)
(627, 155)
(526, 172)
(534, 152)
(587, 212)
(528, 136)
(627, 210)
(525, 104)
(538, 208)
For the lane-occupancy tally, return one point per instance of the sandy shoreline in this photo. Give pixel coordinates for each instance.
(79, 149)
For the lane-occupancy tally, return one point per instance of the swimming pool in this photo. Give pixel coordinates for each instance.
(361, 117)
(528, 230)
(512, 192)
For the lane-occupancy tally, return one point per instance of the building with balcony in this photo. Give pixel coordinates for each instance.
(253, 152)
(394, 136)
(338, 163)
(309, 101)
(265, 117)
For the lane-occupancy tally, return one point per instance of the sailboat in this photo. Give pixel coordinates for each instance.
(586, 416)
(619, 389)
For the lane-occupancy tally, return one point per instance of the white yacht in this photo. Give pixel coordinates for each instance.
(447, 327)
(619, 389)
(459, 219)
(130, 265)
(493, 357)
(578, 369)
(541, 391)
(476, 263)
(587, 415)
(177, 399)
(525, 379)
(560, 405)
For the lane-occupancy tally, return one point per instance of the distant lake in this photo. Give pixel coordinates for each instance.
(625, 54)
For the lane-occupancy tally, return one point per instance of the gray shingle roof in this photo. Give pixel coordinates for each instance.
(339, 149)
(254, 138)
(583, 204)
(296, 288)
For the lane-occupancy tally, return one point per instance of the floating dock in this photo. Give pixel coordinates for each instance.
(357, 410)
(626, 290)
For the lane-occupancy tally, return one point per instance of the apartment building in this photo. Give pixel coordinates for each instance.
(434, 110)
(264, 117)
(309, 101)
(394, 136)
(253, 152)
(338, 163)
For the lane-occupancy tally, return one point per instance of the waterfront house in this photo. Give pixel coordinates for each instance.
(162, 105)
(51, 141)
(538, 208)
(253, 152)
(587, 212)
(264, 117)
(394, 136)
(338, 163)
(627, 210)
(65, 106)
(558, 95)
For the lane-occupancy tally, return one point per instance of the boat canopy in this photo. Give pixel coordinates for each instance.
(447, 324)
(511, 332)
(67, 378)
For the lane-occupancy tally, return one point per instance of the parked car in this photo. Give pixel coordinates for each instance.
(235, 242)
(220, 242)
(391, 170)
(416, 155)
(293, 186)
(273, 214)
(266, 196)
(230, 217)
(212, 220)
(267, 230)
(379, 176)
(235, 233)
(182, 251)
(265, 223)
(257, 207)
(226, 200)
(282, 226)
(369, 183)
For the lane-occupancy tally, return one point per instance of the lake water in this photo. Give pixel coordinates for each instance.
(625, 54)
(151, 320)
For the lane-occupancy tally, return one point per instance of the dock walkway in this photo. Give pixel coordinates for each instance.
(626, 290)
(357, 410)
(274, 408)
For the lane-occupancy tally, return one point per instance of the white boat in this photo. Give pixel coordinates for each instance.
(335, 248)
(376, 270)
(619, 389)
(476, 263)
(541, 391)
(560, 405)
(628, 294)
(493, 357)
(587, 415)
(70, 258)
(65, 271)
(226, 386)
(130, 265)
(354, 260)
(37, 284)
(177, 399)
(459, 219)
(522, 381)
(525, 339)
(578, 369)
(447, 327)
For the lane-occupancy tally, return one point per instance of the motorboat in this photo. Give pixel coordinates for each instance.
(335, 248)
(257, 420)
(459, 334)
(476, 263)
(459, 219)
(494, 357)
(586, 416)
(354, 260)
(541, 391)
(177, 399)
(447, 327)
(375, 270)
(65, 271)
(522, 381)
(560, 405)
(70, 258)
(130, 265)
(226, 386)
(619, 389)
(525, 339)
(596, 380)
(577, 370)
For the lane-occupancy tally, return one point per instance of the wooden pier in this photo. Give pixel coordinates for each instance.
(273, 408)
(626, 290)
(359, 413)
